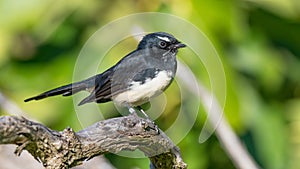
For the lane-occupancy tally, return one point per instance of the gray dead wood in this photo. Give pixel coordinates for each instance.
(66, 149)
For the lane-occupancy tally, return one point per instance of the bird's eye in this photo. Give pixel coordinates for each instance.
(162, 44)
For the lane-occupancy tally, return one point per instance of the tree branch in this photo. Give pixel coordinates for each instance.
(57, 150)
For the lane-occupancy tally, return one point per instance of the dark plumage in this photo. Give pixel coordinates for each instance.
(140, 75)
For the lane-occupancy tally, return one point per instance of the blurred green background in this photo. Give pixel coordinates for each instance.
(258, 42)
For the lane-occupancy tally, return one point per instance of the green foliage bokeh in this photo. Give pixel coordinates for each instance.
(258, 42)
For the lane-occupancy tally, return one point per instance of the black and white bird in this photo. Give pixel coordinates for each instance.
(142, 74)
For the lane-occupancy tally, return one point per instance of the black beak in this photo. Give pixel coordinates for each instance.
(179, 45)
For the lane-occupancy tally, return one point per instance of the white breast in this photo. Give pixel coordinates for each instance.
(140, 93)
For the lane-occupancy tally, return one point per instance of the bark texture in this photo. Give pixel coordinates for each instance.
(66, 149)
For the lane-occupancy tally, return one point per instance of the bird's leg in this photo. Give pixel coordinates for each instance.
(131, 110)
(144, 113)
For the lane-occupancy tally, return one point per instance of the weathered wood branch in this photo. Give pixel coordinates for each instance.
(66, 149)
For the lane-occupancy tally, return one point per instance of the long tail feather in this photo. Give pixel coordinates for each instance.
(66, 90)
(89, 84)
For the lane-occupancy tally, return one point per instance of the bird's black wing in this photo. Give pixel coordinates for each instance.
(102, 86)
(117, 79)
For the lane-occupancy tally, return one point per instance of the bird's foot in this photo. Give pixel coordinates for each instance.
(152, 125)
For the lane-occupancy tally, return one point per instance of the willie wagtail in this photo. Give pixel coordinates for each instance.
(142, 74)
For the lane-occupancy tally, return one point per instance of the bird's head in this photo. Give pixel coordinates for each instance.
(161, 41)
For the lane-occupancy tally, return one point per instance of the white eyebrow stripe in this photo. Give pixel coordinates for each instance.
(164, 38)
